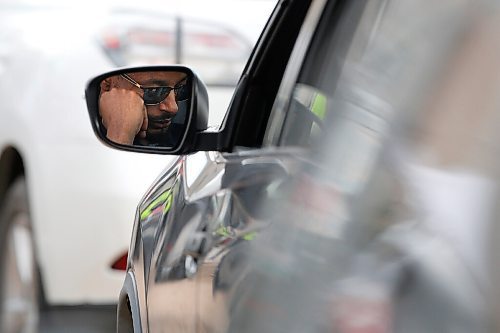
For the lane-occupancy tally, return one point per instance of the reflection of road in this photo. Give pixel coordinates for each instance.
(79, 319)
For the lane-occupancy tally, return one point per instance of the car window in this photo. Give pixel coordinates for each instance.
(350, 78)
(315, 93)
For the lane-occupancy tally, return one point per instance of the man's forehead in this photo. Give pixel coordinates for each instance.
(163, 78)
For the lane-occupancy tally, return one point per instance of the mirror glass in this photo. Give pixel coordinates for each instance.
(145, 108)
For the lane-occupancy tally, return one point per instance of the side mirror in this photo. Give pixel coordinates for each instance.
(155, 109)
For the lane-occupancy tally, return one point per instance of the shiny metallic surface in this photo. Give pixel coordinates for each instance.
(191, 234)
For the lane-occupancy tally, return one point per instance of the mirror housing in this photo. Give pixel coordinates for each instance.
(189, 130)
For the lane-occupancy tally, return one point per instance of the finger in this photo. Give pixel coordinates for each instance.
(144, 126)
(121, 82)
(114, 82)
(105, 85)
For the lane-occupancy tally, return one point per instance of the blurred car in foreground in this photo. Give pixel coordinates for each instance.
(67, 202)
(352, 186)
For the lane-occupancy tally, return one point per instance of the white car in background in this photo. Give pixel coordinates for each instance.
(67, 203)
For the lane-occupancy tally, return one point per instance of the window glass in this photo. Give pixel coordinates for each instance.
(314, 95)
(370, 70)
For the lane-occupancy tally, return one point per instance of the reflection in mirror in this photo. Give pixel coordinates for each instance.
(145, 108)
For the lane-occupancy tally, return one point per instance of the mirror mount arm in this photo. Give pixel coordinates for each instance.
(208, 141)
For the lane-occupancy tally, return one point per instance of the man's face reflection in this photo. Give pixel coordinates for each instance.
(160, 115)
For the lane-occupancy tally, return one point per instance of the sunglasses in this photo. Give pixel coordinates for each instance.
(156, 95)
